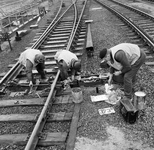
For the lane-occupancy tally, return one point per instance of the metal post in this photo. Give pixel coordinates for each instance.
(7, 36)
(0, 45)
(9, 22)
(89, 43)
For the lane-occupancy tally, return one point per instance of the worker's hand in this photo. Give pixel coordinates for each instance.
(110, 79)
(67, 81)
(31, 84)
(116, 73)
(72, 78)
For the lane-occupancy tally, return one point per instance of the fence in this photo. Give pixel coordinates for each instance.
(15, 14)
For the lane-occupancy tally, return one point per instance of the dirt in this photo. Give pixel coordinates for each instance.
(115, 141)
(143, 7)
(116, 138)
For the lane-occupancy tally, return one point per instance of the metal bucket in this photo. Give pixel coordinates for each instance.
(139, 100)
(77, 95)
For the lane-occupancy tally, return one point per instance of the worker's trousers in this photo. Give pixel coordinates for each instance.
(40, 68)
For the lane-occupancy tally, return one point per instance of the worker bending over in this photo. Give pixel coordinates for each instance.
(67, 61)
(33, 58)
(125, 60)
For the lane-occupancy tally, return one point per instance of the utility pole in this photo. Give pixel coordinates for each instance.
(8, 38)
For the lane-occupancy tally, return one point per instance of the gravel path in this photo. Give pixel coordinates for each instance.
(110, 132)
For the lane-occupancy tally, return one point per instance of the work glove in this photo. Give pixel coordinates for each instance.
(30, 84)
(67, 81)
(31, 87)
(117, 73)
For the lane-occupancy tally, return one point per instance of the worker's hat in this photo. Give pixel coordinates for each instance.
(77, 65)
(39, 58)
(102, 53)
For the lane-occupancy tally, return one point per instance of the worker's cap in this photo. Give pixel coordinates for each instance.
(102, 53)
(104, 64)
(77, 65)
(39, 58)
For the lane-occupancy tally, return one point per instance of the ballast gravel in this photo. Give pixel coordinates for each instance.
(111, 132)
(107, 132)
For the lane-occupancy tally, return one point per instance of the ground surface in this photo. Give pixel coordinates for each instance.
(110, 132)
(97, 132)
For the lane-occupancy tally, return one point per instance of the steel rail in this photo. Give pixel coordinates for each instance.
(135, 9)
(89, 43)
(138, 30)
(75, 22)
(34, 136)
(39, 41)
(77, 28)
(35, 45)
(31, 144)
(70, 140)
(46, 32)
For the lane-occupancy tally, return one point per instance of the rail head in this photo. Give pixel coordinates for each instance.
(32, 142)
(2, 81)
(138, 30)
(34, 46)
(76, 26)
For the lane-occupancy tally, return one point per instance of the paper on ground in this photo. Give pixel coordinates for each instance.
(113, 102)
(108, 110)
(99, 98)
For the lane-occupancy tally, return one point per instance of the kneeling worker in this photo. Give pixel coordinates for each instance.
(125, 60)
(66, 61)
(33, 58)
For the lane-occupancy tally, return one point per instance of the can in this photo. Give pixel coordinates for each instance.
(139, 100)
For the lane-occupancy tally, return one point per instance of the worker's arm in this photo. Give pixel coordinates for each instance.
(112, 70)
(73, 74)
(120, 57)
(63, 68)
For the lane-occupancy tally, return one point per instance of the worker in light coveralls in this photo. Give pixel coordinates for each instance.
(33, 58)
(66, 61)
(125, 60)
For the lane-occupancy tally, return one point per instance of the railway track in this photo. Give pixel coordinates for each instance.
(49, 115)
(138, 24)
(61, 100)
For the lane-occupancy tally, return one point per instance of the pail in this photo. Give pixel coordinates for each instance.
(77, 95)
(139, 100)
